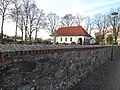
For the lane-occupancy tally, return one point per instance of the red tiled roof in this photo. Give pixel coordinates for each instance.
(72, 31)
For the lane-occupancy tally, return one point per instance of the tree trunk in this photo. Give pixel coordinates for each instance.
(16, 30)
(16, 26)
(22, 36)
(22, 33)
(54, 39)
(25, 34)
(30, 38)
(2, 27)
(36, 36)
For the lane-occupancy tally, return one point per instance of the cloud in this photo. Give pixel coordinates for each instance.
(85, 7)
(100, 6)
(60, 7)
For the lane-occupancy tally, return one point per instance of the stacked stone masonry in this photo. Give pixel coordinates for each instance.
(36, 67)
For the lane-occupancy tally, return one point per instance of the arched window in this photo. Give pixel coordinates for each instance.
(70, 39)
(65, 39)
(60, 39)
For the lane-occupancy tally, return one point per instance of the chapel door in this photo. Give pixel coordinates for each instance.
(80, 41)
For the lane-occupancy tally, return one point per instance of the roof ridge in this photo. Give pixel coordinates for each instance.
(72, 30)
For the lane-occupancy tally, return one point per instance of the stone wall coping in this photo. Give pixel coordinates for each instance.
(14, 51)
(15, 47)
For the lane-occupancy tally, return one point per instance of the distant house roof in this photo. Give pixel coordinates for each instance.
(72, 31)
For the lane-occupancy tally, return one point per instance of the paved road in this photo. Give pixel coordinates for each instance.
(106, 77)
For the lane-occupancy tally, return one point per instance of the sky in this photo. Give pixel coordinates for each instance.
(63, 7)
(84, 7)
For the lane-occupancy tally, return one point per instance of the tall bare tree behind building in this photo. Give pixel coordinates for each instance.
(4, 4)
(117, 22)
(79, 19)
(98, 21)
(117, 33)
(68, 20)
(89, 24)
(21, 25)
(14, 14)
(32, 16)
(25, 8)
(39, 22)
(105, 24)
(52, 23)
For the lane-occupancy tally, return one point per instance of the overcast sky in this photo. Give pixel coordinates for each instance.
(62, 7)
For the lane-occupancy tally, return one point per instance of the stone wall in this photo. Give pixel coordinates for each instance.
(35, 67)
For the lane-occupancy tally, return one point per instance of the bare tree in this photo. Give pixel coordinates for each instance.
(79, 19)
(39, 22)
(26, 7)
(117, 23)
(67, 20)
(51, 24)
(4, 12)
(15, 12)
(32, 16)
(36, 20)
(105, 24)
(29, 18)
(102, 24)
(21, 25)
(89, 24)
(98, 21)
